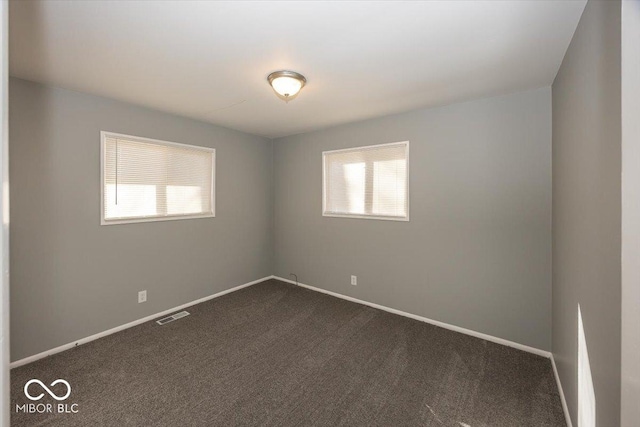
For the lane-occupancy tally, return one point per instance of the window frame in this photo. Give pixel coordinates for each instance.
(364, 216)
(103, 221)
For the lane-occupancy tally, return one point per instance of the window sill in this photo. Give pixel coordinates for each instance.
(153, 219)
(383, 218)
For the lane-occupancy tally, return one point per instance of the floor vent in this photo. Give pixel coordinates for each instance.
(172, 317)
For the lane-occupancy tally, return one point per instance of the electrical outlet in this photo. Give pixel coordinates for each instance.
(354, 280)
(142, 296)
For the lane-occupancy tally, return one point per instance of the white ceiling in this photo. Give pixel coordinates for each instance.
(210, 60)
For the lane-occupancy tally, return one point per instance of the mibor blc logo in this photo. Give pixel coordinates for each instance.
(35, 390)
(47, 389)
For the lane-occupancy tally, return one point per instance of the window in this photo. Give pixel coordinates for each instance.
(149, 180)
(367, 182)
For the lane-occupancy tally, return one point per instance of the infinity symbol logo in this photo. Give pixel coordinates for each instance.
(45, 388)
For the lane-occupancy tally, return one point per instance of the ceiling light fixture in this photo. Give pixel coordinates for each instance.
(286, 84)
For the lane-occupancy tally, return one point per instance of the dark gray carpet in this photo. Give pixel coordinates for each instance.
(275, 354)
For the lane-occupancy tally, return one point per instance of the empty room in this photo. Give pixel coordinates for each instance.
(320, 213)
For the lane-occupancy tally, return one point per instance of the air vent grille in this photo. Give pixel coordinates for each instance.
(173, 317)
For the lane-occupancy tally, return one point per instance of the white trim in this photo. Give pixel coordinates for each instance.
(366, 147)
(364, 216)
(154, 218)
(105, 133)
(5, 393)
(382, 218)
(565, 408)
(476, 334)
(62, 348)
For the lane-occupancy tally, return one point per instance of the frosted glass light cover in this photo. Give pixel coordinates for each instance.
(286, 86)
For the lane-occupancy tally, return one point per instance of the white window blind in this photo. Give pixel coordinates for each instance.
(367, 182)
(150, 180)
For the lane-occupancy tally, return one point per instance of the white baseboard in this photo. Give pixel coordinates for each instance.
(565, 408)
(64, 347)
(476, 334)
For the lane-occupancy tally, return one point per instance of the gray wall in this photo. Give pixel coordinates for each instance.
(71, 277)
(586, 208)
(477, 251)
(630, 62)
